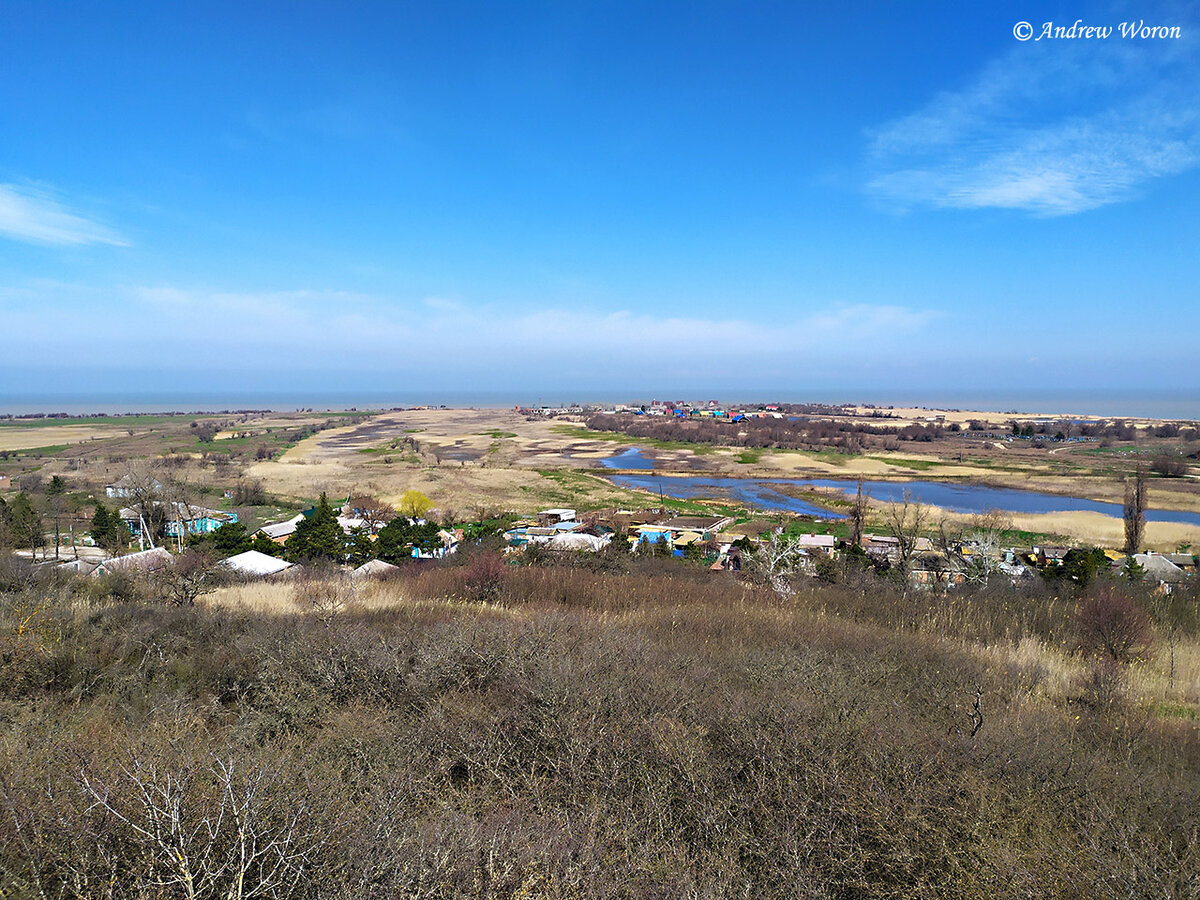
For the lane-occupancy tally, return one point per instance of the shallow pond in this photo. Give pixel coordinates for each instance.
(764, 493)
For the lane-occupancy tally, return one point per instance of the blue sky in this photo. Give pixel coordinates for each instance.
(849, 201)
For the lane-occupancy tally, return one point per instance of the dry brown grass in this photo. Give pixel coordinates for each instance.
(18, 438)
(1106, 531)
(596, 735)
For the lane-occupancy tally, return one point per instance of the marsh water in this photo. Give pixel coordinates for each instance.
(769, 493)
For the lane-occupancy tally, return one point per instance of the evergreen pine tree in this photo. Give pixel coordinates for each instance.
(318, 536)
(108, 530)
(264, 544)
(26, 524)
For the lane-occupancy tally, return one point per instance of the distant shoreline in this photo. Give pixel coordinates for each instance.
(1179, 407)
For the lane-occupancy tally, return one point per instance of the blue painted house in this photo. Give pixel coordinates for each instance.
(183, 517)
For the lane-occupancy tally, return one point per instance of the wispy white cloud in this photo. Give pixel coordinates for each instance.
(92, 336)
(295, 332)
(35, 216)
(1051, 128)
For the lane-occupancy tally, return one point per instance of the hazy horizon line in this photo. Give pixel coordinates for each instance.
(1099, 403)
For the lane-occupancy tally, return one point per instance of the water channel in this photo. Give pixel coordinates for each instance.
(766, 493)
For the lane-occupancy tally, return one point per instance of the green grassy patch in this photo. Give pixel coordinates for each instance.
(920, 465)
(1175, 710)
(618, 438)
(749, 457)
(48, 450)
(496, 433)
(832, 457)
(126, 421)
(585, 491)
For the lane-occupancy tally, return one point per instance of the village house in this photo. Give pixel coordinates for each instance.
(819, 543)
(279, 532)
(1186, 562)
(881, 547)
(130, 486)
(706, 526)
(153, 560)
(1049, 556)
(1158, 569)
(181, 519)
(253, 564)
(548, 517)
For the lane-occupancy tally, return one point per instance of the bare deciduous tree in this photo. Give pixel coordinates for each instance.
(143, 495)
(192, 574)
(1113, 624)
(223, 838)
(905, 521)
(325, 592)
(375, 513)
(775, 560)
(986, 532)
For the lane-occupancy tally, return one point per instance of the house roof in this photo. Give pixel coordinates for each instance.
(817, 540)
(82, 566)
(142, 561)
(1055, 552)
(374, 567)
(1159, 568)
(698, 523)
(185, 511)
(576, 542)
(252, 562)
(880, 539)
(128, 480)
(282, 529)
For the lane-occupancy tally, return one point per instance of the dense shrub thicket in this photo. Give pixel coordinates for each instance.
(581, 735)
(827, 428)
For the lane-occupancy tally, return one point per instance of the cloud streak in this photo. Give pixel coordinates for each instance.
(1049, 128)
(34, 216)
(302, 333)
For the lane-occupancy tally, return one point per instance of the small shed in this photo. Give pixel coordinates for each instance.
(143, 561)
(255, 564)
(549, 517)
(375, 568)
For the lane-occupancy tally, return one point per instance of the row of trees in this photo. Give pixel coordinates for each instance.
(21, 521)
(384, 534)
(21, 525)
(798, 434)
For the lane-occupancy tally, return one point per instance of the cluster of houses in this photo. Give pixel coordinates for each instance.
(718, 540)
(250, 564)
(927, 564)
(180, 519)
(353, 521)
(679, 409)
(713, 538)
(562, 529)
(1163, 569)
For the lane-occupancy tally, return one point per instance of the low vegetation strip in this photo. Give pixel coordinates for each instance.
(562, 732)
(619, 438)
